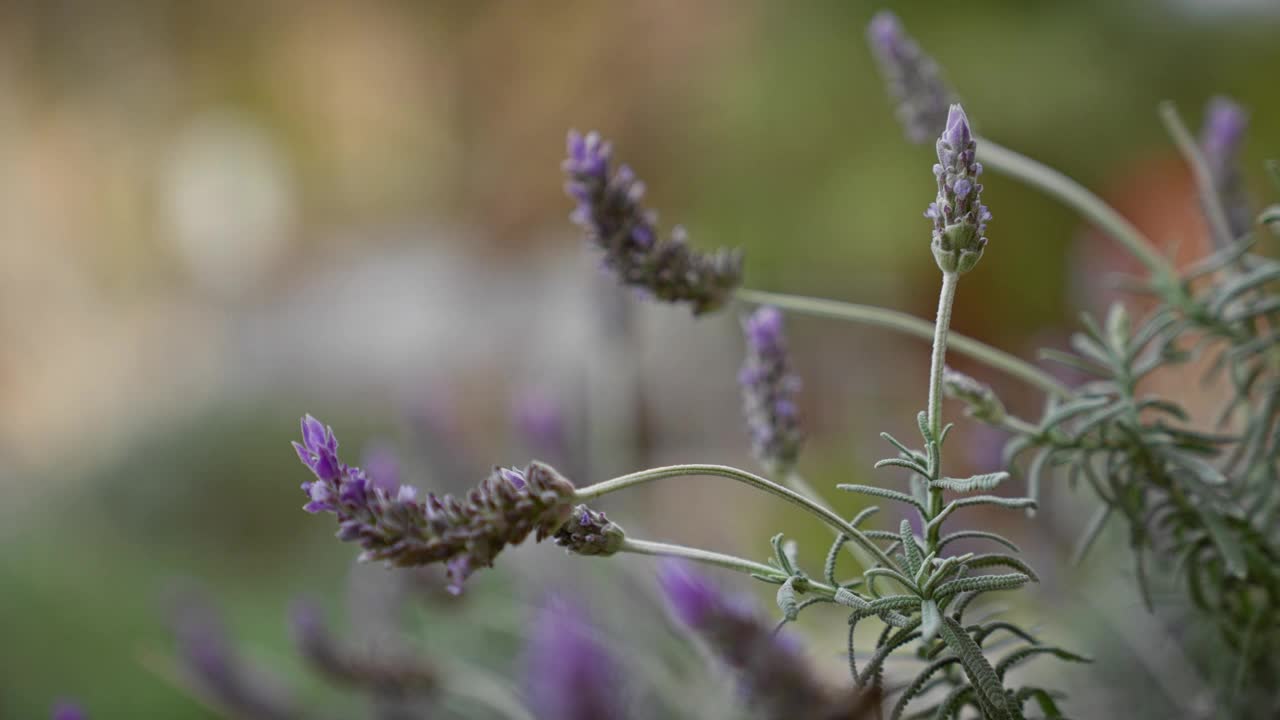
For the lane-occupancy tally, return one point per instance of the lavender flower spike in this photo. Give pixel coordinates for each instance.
(773, 675)
(959, 217)
(463, 533)
(610, 211)
(569, 673)
(769, 391)
(397, 673)
(914, 81)
(1221, 138)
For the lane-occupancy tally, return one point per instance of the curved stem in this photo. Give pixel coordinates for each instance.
(1209, 198)
(910, 325)
(810, 506)
(1056, 184)
(708, 557)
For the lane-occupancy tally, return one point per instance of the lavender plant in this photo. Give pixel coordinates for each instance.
(1203, 502)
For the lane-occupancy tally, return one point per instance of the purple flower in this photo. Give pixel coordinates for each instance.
(464, 533)
(382, 467)
(958, 215)
(398, 674)
(67, 710)
(1221, 140)
(773, 675)
(914, 81)
(615, 220)
(210, 662)
(769, 390)
(569, 672)
(540, 421)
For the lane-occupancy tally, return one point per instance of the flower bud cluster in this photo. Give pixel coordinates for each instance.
(465, 533)
(769, 390)
(959, 217)
(610, 210)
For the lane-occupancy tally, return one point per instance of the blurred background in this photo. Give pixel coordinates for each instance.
(218, 216)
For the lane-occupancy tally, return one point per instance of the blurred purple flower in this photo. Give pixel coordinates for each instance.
(68, 710)
(539, 419)
(772, 672)
(398, 674)
(1221, 139)
(914, 81)
(769, 390)
(382, 467)
(958, 215)
(212, 666)
(463, 533)
(569, 673)
(615, 220)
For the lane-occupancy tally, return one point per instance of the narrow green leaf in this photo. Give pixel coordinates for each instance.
(983, 677)
(986, 481)
(1232, 554)
(787, 602)
(882, 492)
(1021, 655)
(909, 547)
(930, 620)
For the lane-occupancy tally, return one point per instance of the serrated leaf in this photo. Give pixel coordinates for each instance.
(917, 685)
(1023, 654)
(983, 677)
(981, 584)
(930, 620)
(882, 492)
(787, 601)
(903, 463)
(986, 481)
(909, 547)
(976, 534)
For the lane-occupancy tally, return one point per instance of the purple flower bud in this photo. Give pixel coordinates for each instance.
(464, 533)
(610, 211)
(773, 675)
(67, 710)
(318, 449)
(589, 532)
(958, 215)
(769, 390)
(914, 81)
(1221, 140)
(569, 672)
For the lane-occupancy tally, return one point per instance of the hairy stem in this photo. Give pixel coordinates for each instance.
(708, 557)
(812, 507)
(910, 325)
(939, 357)
(946, 299)
(1056, 184)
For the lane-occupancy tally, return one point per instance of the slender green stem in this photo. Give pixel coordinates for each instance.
(1209, 198)
(811, 506)
(910, 325)
(939, 357)
(938, 361)
(797, 482)
(707, 557)
(1055, 183)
